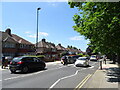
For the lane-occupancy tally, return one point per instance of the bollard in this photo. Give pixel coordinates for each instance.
(100, 64)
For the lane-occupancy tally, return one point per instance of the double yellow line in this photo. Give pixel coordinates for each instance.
(83, 82)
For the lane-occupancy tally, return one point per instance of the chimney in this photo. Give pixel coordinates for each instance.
(59, 44)
(8, 31)
(44, 40)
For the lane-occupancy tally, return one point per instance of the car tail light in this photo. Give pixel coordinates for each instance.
(20, 62)
(10, 62)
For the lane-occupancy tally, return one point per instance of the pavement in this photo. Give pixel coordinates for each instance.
(107, 78)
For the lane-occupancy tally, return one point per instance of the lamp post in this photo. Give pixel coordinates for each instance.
(37, 30)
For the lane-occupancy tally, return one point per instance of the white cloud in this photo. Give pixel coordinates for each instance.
(43, 34)
(77, 38)
(32, 36)
(40, 34)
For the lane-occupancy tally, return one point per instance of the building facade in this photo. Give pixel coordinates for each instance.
(13, 45)
(48, 49)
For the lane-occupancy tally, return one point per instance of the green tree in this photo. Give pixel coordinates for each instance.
(100, 23)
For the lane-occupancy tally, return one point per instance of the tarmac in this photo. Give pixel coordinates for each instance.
(105, 78)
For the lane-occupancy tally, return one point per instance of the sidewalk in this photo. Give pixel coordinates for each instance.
(108, 77)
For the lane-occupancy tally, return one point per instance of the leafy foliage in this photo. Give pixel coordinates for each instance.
(100, 23)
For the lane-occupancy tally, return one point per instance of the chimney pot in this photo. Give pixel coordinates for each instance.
(8, 31)
(44, 40)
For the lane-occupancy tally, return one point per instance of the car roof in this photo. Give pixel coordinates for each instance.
(82, 57)
(24, 56)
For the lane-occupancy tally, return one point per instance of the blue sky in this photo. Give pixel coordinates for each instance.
(55, 22)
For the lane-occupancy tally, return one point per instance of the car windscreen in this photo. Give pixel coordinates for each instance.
(81, 58)
(76, 56)
(17, 59)
(63, 57)
(93, 56)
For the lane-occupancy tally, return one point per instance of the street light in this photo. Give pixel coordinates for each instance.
(37, 30)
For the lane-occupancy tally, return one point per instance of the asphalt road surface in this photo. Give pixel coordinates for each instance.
(55, 76)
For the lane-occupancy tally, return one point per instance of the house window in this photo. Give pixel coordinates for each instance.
(21, 45)
(53, 50)
(9, 54)
(9, 45)
(25, 46)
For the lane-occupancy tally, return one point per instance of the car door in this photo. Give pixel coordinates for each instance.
(41, 63)
(37, 62)
(30, 62)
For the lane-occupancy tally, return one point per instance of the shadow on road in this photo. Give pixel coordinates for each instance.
(31, 71)
(84, 66)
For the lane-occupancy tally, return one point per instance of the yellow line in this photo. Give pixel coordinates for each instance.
(84, 82)
(81, 83)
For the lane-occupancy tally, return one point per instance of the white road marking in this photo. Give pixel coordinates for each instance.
(49, 70)
(68, 76)
(64, 78)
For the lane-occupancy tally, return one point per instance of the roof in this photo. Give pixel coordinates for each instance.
(43, 44)
(52, 45)
(20, 39)
(8, 38)
(60, 47)
(14, 38)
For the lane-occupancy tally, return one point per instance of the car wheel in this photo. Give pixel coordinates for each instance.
(13, 71)
(76, 65)
(25, 69)
(43, 66)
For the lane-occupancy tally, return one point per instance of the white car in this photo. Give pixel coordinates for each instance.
(82, 61)
(93, 58)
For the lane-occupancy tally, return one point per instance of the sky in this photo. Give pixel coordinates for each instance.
(55, 22)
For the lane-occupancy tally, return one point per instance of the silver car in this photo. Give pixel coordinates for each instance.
(82, 61)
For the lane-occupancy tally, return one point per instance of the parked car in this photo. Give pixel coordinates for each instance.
(82, 61)
(93, 58)
(26, 63)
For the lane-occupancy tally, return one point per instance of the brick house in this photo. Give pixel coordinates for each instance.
(74, 51)
(13, 45)
(60, 50)
(48, 49)
(43, 47)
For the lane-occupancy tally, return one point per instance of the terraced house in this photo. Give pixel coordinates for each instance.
(48, 49)
(14, 45)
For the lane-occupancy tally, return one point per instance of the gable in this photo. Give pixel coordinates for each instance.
(9, 39)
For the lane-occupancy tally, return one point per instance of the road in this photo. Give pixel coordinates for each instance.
(55, 76)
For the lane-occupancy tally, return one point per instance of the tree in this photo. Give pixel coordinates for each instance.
(100, 23)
